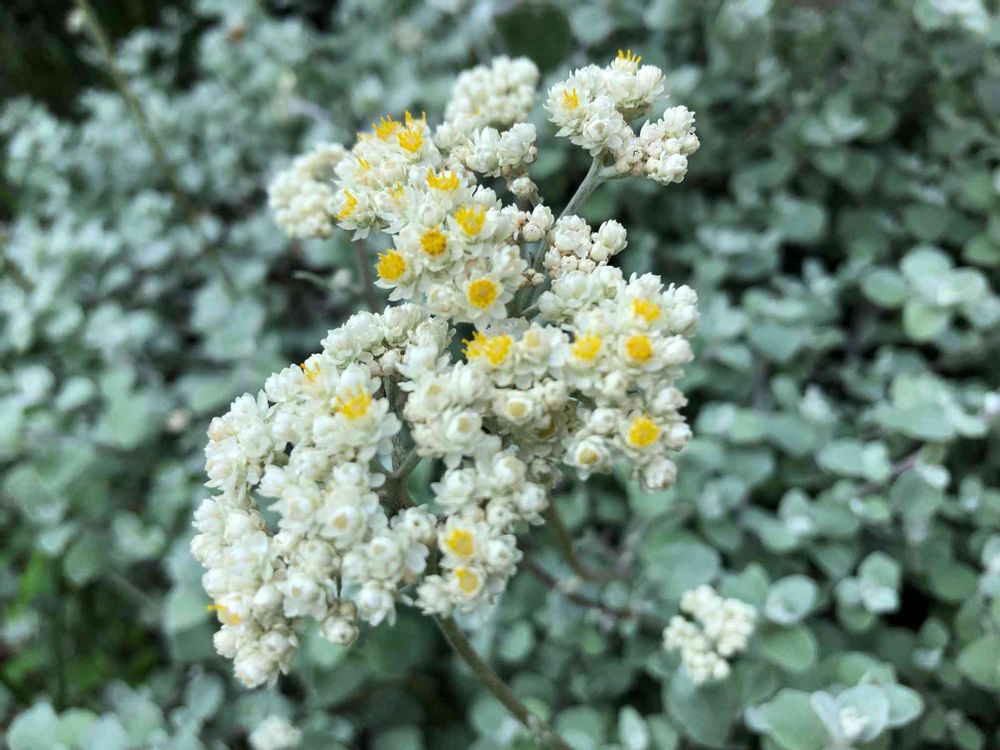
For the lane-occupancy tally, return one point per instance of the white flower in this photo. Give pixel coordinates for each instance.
(275, 733)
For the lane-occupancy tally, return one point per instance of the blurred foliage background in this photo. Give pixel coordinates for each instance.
(841, 225)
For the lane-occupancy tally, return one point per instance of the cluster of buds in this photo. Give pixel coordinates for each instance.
(722, 629)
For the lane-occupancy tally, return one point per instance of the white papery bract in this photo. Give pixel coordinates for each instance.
(595, 106)
(722, 629)
(275, 733)
(578, 375)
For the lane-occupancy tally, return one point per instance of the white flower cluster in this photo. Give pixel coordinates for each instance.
(595, 106)
(580, 375)
(723, 629)
(573, 246)
(275, 733)
(300, 196)
(499, 94)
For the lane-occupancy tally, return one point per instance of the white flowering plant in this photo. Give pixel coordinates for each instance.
(565, 364)
(824, 572)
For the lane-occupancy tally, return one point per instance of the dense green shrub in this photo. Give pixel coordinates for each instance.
(841, 224)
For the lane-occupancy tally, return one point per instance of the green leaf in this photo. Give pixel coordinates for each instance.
(905, 704)
(800, 221)
(870, 702)
(789, 721)
(885, 287)
(980, 661)
(538, 30)
(704, 713)
(633, 733)
(107, 733)
(922, 321)
(794, 649)
(86, 557)
(35, 729)
(790, 599)
(680, 566)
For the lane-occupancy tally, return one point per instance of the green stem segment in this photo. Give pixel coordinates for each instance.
(589, 185)
(365, 273)
(167, 170)
(500, 689)
(565, 543)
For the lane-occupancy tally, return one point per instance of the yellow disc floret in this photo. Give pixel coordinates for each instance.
(645, 309)
(411, 139)
(433, 242)
(391, 265)
(355, 405)
(494, 349)
(225, 616)
(447, 180)
(586, 347)
(571, 99)
(638, 348)
(385, 127)
(350, 203)
(471, 219)
(460, 543)
(468, 580)
(643, 432)
(482, 293)
(310, 371)
(628, 57)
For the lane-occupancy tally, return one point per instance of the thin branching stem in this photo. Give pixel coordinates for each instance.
(652, 623)
(365, 274)
(565, 543)
(500, 689)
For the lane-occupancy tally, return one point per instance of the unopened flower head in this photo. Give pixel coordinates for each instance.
(720, 630)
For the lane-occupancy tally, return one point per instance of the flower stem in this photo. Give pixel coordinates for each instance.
(365, 273)
(589, 185)
(565, 542)
(540, 728)
(167, 170)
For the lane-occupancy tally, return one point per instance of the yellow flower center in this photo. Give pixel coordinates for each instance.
(517, 409)
(225, 616)
(385, 127)
(628, 57)
(311, 372)
(411, 120)
(433, 242)
(411, 139)
(350, 203)
(391, 265)
(571, 99)
(482, 293)
(396, 191)
(468, 580)
(586, 347)
(494, 348)
(645, 309)
(447, 180)
(471, 219)
(355, 405)
(460, 542)
(643, 432)
(364, 164)
(638, 348)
